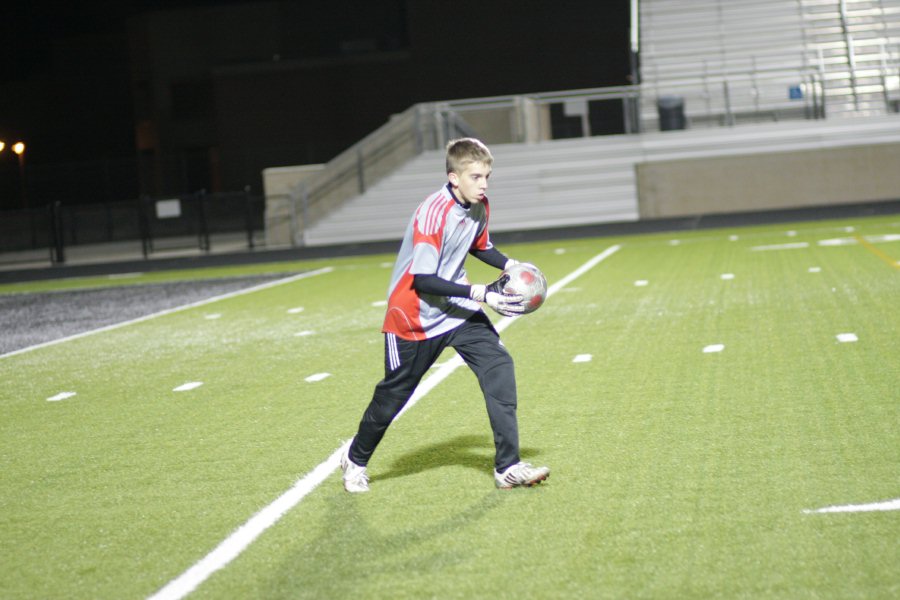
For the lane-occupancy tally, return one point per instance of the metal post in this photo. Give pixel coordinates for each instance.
(21, 157)
(811, 95)
(824, 96)
(626, 112)
(884, 83)
(57, 253)
(635, 43)
(851, 53)
(633, 102)
(248, 216)
(33, 228)
(521, 133)
(755, 86)
(360, 169)
(417, 129)
(110, 228)
(203, 226)
(299, 194)
(729, 117)
(439, 128)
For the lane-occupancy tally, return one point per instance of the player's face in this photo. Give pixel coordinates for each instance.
(471, 185)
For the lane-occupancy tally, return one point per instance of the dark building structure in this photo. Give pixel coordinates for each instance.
(206, 96)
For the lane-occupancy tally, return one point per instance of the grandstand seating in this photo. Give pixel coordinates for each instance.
(855, 53)
(764, 53)
(576, 182)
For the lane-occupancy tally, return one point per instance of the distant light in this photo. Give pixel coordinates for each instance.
(18, 148)
(2, 146)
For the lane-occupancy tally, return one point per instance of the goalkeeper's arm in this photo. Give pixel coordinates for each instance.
(494, 257)
(436, 286)
(504, 304)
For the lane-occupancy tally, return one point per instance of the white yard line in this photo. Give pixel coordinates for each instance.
(853, 508)
(169, 311)
(232, 546)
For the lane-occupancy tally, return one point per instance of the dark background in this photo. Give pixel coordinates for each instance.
(119, 99)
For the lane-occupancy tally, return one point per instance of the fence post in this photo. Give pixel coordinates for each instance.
(33, 226)
(248, 216)
(57, 253)
(203, 229)
(144, 228)
(110, 228)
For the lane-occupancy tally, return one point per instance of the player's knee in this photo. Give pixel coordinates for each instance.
(384, 407)
(498, 381)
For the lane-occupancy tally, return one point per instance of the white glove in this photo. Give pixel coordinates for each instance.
(508, 305)
(509, 263)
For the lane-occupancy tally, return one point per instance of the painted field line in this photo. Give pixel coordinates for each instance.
(851, 508)
(232, 546)
(235, 543)
(891, 262)
(170, 311)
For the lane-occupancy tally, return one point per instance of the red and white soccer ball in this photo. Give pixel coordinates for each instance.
(526, 280)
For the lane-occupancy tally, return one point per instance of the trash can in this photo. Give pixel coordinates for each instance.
(671, 113)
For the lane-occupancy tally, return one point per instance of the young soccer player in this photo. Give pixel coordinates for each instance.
(431, 306)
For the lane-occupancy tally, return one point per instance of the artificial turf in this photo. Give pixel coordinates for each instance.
(676, 472)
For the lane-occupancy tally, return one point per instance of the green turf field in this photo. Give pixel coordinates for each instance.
(698, 396)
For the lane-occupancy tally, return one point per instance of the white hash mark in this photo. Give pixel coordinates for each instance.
(186, 387)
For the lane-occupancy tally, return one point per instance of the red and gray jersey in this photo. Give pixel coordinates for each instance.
(437, 241)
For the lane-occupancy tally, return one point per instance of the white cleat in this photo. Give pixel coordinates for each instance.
(521, 474)
(356, 480)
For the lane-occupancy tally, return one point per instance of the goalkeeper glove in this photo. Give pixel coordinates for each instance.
(508, 305)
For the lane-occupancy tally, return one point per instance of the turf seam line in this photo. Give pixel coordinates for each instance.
(239, 540)
(877, 252)
(170, 311)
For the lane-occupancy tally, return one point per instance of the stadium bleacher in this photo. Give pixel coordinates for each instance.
(753, 77)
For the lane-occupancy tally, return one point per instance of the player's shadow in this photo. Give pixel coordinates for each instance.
(471, 451)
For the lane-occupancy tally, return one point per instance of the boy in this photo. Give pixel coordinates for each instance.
(431, 305)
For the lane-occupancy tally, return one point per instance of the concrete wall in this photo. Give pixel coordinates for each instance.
(751, 182)
(279, 184)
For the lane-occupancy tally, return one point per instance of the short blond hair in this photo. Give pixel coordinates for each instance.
(462, 152)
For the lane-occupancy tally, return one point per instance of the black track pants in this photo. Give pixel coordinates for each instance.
(405, 362)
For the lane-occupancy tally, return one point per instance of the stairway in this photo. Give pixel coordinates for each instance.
(855, 44)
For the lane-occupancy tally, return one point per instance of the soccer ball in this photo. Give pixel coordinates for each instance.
(526, 280)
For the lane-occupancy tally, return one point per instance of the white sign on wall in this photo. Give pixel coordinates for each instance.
(168, 209)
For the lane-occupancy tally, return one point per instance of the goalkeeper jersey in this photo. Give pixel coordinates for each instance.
(438, 238)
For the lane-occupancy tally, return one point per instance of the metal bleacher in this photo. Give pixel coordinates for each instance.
(754, 76)
(577, 182)
(755, 49)
(848, 47)
(542, 185)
